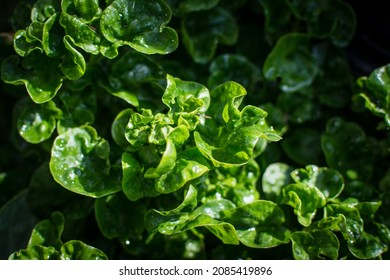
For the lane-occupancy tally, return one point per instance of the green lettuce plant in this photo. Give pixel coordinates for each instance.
(171, 129)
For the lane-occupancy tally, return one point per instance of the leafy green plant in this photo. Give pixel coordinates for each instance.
(168, 129)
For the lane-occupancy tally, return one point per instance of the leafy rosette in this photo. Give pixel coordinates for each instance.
(63, 35)
(229, 136)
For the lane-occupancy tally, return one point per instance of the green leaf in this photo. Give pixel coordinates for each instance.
(118, 127)
(48, 232)
(232, 67)
(17, 218)
(44, 9)
(375, 90)
(275, 177)
(347, 149)
(73, 65)
(183, 172)
(259, 224)
(229, 137)
(203, 31)
(139, 24)
(291, 60)
(334, 82)
(237, 184)
(80, 163)
(166, 163)
(225, 100)
(300, 107)
(314, 245)
(147, 128)
(37, 252)
(277, 18)
(330, 18)
(344, 218)
(32, 72)
(114, 221)
(132, 78)
(85, 10)
(304, 199)
(76, 111)
(82, 35)
(77, 250)
(134, 184)
(22, 46)
(37, 122)
(372, 243)
(184, 218)
(187, 101)
(295, 146)
(328, 181)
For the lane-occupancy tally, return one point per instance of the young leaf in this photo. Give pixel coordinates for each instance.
(230, 136)
(186, 101)
(304, 199)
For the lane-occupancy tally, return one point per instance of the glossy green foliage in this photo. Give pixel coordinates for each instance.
(61, 35)
(45, 244)
(291, 60)
(139, 24)
(231, 135)
(375, 92)
(258, 224)
(80, 162)
(118, 217)
(158, 141)
(329, 18)
(203, 31)
(32, 72)
(347, 149)
(233, 68)
(248, 140)
(37, 122)
(318, 244)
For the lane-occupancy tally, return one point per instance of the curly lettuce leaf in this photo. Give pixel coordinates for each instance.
(80, 163)
(140, 25)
